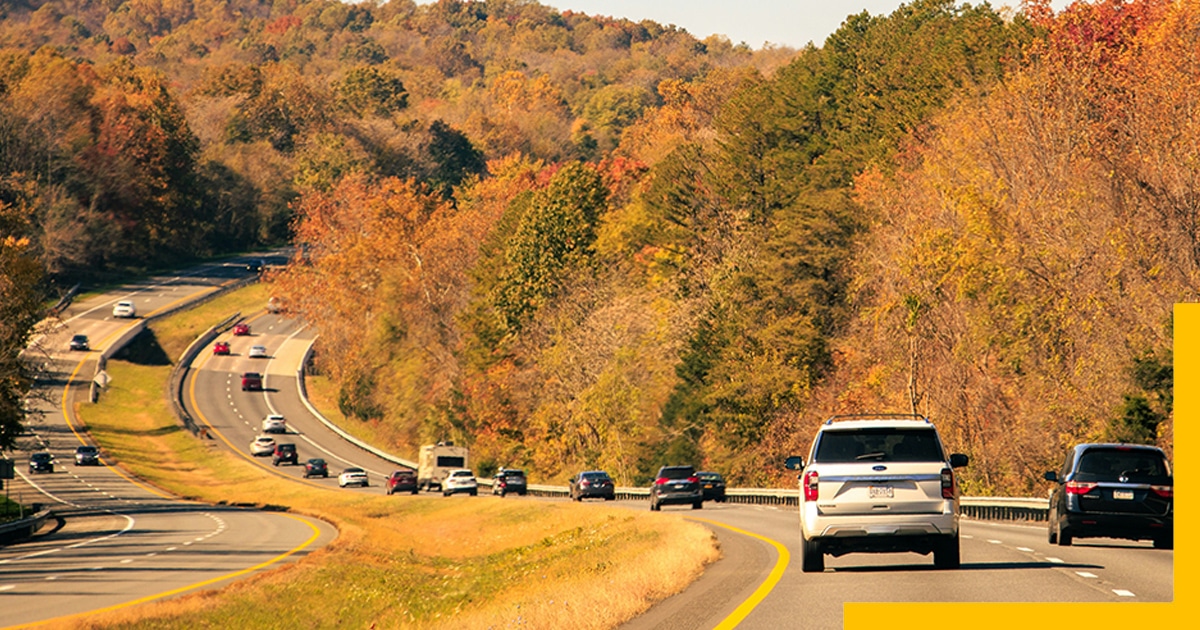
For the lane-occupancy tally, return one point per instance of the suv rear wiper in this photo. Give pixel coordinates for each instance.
(875, 455)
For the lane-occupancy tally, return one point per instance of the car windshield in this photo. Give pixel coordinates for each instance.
(462, 473)
(40, 457)
(316, 462)
(79, 338)
(594, 476)
(884, 444)
(709, 476)
(86, 449)
(1113, 464)
(677, 472)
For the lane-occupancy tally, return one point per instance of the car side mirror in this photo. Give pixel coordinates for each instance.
(795, 462)
(958, 460)
(1051, 476)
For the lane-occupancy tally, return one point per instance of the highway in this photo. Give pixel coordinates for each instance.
(1001, 562)
(116, 541)
(121, 542)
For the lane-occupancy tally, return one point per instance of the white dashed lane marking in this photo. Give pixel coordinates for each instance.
(1054, 560)
(1123, 593)
(1085, 574)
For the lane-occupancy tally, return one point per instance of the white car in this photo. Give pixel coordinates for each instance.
(878, 483)
(353, 477)
(124, 308)
(258, 352)
(458, 481)
(274, 423)
(262, 445)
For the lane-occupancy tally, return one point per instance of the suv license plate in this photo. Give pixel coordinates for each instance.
(880, 492)
(1123, 494)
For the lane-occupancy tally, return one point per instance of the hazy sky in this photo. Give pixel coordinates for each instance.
(786, 22)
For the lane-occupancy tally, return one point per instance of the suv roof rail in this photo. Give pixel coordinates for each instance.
(877, 416)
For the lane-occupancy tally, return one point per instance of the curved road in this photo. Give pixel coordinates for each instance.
(1001, 562)
(118, 542)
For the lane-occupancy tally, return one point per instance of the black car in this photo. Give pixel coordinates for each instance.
(509, 481)
(676, 485)
(87, 456)
(1113, 491)
(592, 484)
(712, 485)
(285, 452)
(79, 342)
(41, 463)
(316, 467)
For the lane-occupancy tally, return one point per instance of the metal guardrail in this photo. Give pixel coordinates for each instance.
(24, 528)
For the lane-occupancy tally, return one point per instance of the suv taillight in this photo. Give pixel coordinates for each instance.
(810, 485)
(1162, 491)
(661, 481)
(1079, 487)
(947, 483)
(693, 479)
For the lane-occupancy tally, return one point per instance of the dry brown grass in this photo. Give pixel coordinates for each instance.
(398, 562)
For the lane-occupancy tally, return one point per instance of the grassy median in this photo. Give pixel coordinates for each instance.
(411, 561)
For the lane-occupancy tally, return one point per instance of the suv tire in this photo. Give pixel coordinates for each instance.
(697, 505)
(946, 554)
(812, 560)
(1064, 536)
(1166, 541)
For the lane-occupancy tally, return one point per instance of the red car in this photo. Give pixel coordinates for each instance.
(252, 381)
(403, 480)
(241, 329)
(221, 347)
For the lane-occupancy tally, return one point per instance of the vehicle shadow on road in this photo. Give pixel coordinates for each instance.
(967, 566)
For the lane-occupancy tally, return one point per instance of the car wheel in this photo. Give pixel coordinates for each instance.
(1064, 537)
(475, 493)
(812, 560)
(445, 494)
(1051, 535)
(946, 554)
(697, 505)
(389, 491)
(1166, 541)
(609, 497)
(654, 506)
(414, 490)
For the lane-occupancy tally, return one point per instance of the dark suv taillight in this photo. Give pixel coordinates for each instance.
(661, 481)
(693, 479)
(810, 485)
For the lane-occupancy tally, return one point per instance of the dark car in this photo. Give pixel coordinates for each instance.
(251, 381)
(79, 342)
(403, 480)
(1113, 491)
(316, 467)
(509, 481)
(676, 485)
(87, 456)
(592, 484)
(712, 486)
(285, 452)
(41, 463)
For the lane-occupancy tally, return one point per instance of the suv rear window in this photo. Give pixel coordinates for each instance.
(1109, 464)
(883, 444)
(676, 472)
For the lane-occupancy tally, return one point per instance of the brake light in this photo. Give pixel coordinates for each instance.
(661, 481)
(1162, 491)
(693, 479)
(810, 485)
(947, 483)
(1080, 487)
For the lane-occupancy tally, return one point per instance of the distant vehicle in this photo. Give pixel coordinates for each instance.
(276, 305)
(436, 462)
(1113, 491)
(274, 423)
(258, 352)
(87, 455)
(79, 342)
(42, 462)
(251, 381)
(592, 484)
(460, 481)
(262, 445)
(712, 485)
(316, 467)
(124, 308)
(509, 481)
(403, 480)
(255, 266)
(285, 452)
(676, 485)
(221, 347)
(241, 330)
(353, 477)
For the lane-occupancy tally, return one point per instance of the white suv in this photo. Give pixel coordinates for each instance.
(124, 308)
(878, 483)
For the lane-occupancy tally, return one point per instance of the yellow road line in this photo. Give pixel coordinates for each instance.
(262, 565)
(763, 589)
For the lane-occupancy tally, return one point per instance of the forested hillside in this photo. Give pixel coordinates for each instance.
(573, 241)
